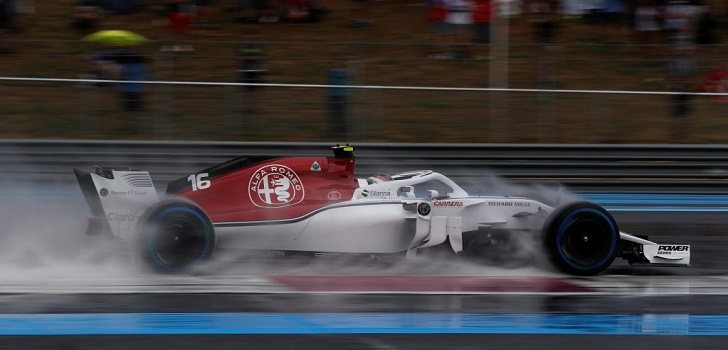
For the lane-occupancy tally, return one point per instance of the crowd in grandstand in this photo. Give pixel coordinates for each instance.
(677, 21)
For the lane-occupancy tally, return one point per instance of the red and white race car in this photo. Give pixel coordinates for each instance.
(317, 204)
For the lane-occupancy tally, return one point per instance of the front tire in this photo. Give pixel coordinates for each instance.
(175, 235)
(581, 238)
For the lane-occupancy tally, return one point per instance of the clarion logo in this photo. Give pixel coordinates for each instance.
(673, 248)
(131, 216)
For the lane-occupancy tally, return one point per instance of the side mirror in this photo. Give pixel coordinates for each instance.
(432, 194)
(406, 191)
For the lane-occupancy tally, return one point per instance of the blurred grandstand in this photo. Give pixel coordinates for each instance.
(534, 45)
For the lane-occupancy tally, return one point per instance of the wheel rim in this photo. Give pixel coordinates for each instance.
(586, 242)
(178, 241)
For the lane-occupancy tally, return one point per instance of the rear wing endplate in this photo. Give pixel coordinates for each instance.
(117, 197)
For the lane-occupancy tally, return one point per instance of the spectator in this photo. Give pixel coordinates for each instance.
(179, 16)
(615, 12)
(684, 36)
(317, 11)
(251, 72)
(128, 66)
(87, 17)
(436, 14)
(482, 17)
(589, 10)
(593, 12)
(204, 12)
(302, 11)
(459, 16)
(102, 66)
(459, 20)
(7, 23)
(706, 27)
(682, 69)
(249, 11)
(541, 6)
(510, 8)
(716, 81)
(122, 7)
(25, 6)
(338, 99)
(359, 17)
(251, 66)
(647, 21)
(545, 31)
(132, 69)
(677, 21)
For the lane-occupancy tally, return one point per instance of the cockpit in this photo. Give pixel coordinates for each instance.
(409, 185)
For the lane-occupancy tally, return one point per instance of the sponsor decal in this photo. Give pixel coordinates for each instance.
(423, 209)
(130, 217)
(104, 192)
(275, 186)
(509, 204)
(382, 194)
(448, 204)
(672, 248)
(124, 193)
(315, 166)
(673, 251)
(138, 180)
(334, 195)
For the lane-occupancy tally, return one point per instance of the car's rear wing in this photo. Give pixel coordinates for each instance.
(117, 197)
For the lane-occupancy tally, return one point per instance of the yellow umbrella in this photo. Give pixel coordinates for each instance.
(116, 37)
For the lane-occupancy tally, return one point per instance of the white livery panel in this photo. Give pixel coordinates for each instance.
(672, 254)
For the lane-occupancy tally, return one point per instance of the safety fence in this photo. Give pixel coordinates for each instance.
(495, 96)
(657, 168)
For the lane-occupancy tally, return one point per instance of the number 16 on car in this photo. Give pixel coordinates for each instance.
(199, 181)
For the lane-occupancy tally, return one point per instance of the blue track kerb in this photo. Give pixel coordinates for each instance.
(155, 231)
(361, 323)
(569, 220)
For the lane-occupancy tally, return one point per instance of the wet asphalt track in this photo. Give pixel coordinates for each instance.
(627, 307)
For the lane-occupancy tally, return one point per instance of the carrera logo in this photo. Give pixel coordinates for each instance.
(448, 204)
(672, 248)
(275, 186)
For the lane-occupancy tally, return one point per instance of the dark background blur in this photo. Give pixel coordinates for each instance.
(675, 46)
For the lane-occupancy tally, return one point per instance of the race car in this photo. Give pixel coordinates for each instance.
(319, 205)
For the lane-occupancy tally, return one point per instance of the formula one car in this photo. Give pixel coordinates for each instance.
(317, 204)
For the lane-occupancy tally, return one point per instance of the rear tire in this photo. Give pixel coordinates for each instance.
(175, 235)
(581, 238)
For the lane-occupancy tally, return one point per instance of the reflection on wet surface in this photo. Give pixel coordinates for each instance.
(47, 267)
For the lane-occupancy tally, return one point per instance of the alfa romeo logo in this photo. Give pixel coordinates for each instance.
(423, 208)
(275, 186)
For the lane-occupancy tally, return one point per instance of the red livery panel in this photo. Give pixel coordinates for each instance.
(275, 189)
